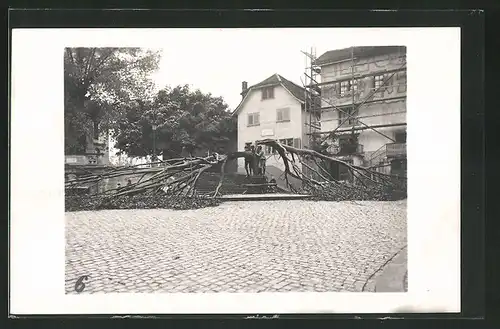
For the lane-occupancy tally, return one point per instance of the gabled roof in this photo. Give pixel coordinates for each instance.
(275, 80)
(338, 55)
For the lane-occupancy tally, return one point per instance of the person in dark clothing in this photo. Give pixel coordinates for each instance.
(254, 162)
(248, 167)
(261, 160)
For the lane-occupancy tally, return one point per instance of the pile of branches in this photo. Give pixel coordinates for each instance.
(368, 184)
(138, 201)
(163, 184)
(172, 183)
(350, 192)
(174, 177)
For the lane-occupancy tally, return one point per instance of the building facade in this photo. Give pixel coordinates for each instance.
(363, 110)
(271, 109)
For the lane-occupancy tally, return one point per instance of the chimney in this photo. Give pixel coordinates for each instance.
(244, 87)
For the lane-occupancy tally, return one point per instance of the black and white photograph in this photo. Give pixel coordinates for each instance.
(336, 135)
(235, 164)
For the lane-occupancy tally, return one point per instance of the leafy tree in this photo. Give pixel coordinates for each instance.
(99, 83)
(184, 119)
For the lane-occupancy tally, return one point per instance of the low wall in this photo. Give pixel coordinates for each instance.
(112, 183)
(106, 184)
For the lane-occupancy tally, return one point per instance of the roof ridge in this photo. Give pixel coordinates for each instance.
(293, 83)
(294, 89)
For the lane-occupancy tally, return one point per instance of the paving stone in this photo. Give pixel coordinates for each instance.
(254, 246)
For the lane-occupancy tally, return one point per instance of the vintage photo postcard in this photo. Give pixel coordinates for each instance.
(235, 170)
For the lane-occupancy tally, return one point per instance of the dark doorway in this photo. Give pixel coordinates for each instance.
(398, 167)
(339, 171)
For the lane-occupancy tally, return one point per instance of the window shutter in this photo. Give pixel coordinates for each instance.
(271, 92)
(279, 116)
(250, 119)
(257, 118)
(296, 143)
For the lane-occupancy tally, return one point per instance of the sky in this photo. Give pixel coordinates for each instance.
(217, 60)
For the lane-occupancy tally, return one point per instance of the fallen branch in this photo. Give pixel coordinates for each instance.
(180, 176)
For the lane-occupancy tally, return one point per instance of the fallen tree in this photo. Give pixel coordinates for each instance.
(177, 178)
(368, 184)
(171, 184)
(173, 176)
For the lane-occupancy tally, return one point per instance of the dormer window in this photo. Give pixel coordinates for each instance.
(267, 93)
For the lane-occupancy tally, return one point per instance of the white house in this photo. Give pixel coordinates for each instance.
(272, 108)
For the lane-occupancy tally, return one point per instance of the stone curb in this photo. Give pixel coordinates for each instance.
(393, 275)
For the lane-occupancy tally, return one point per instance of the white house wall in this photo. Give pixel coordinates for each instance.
(268, 127)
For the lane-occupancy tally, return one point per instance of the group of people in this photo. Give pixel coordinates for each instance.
(255, 164)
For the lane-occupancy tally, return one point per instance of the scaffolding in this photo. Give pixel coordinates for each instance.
(312, 99)
(315, 99)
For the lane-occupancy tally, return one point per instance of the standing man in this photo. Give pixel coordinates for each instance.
(254, 162)
(261, 158)
(248, 167)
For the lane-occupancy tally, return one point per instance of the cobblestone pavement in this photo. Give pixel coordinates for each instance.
(258, 246)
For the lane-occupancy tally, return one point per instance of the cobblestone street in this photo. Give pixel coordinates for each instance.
(258, 246)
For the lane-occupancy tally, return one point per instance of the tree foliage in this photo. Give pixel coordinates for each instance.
(99, 84)
(184, 120)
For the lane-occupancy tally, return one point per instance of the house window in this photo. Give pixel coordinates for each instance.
(344, 114)
(347, 86)
(283, 115)
(344, 88)
(400, 137)
(269, 150)
(287, 141)
(253, 119)
(379, 80)
(267, 93)
(353, 85)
